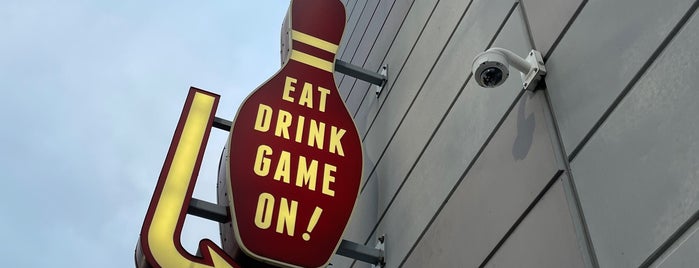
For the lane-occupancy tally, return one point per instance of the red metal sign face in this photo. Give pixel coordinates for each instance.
(295, 162)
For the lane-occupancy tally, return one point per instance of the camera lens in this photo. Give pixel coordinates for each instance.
(491, 76)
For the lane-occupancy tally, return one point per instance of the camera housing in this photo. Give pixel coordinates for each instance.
(491, 68)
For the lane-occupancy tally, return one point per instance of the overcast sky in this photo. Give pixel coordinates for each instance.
(91, 95)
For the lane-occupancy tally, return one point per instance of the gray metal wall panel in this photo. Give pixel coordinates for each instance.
(351, 47)
(359, 87)
(684, 253)
(379, 23)
(512, 170)
(367, 44)
(407, 80)
(359, 90)
(350, 8)
(411, 75)
(441, 88)
(366, 214)
(361, 27)
(545, 238)
(547, 19)
(361, 223)
(399, 15)
(404, 40)
(344, 85)
(638, 176)
(351, 26)
(600, 54)
(389, 31)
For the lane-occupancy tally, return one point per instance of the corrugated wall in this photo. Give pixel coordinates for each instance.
(599, 169)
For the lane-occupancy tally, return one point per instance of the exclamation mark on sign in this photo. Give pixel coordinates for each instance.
(312, 224)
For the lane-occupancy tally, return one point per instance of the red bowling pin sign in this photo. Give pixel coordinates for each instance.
(294, 155)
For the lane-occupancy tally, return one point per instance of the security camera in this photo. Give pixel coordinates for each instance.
(491, 67)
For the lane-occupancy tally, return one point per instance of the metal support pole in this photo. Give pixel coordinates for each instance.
(222, 124)
(361, 252)
(360, 73)
(209, 211)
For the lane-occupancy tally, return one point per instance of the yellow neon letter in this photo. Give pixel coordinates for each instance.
(283, 123)
(307, 175)
(264, 117)
(283, 167)
(335, 144)
(287, 217)
(324, 92)
(328, 178)
(307, 95)
(316, 134)
(262, 163)
(288, 87)
(263, 214)
(299, 128)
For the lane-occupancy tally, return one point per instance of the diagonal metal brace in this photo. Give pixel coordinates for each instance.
(360, 73)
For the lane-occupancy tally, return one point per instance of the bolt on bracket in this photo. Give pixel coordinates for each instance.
(536, 71)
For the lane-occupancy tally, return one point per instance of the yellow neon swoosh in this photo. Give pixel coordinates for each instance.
(165, 218)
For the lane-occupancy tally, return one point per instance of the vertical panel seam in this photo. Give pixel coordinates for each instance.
(570, 190)
(527, 27)
(565, 29)
(576, 211)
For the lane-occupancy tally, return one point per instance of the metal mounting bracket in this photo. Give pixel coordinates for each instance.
(360, 73)
(383, 71)
(381, 245)
(536, 72)
(352, 250)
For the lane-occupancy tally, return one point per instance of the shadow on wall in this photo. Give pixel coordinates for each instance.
(525, 129)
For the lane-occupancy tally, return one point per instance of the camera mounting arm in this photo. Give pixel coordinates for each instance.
(513, 59)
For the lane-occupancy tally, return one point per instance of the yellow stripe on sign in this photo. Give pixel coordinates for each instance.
(314, 41)
(174, 192)
(311, 60)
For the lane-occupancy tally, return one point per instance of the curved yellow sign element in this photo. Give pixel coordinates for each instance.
(160, 235)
